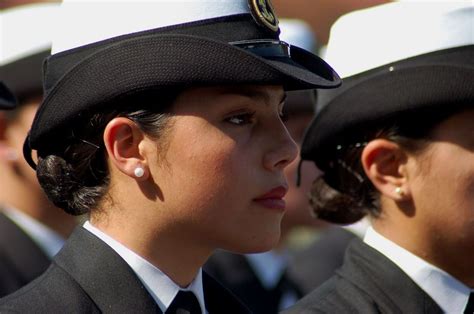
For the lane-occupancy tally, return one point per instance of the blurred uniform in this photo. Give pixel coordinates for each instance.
(27, 244)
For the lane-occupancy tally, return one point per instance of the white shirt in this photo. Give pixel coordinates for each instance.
(269, 267)
(49, 241)
(159, 285)
(449, 293)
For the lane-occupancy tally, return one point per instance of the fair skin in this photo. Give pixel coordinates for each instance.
(19, 187)
(433, 215)
(225, 148)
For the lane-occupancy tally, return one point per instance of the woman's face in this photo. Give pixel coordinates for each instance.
(221, 177)
(443, 188)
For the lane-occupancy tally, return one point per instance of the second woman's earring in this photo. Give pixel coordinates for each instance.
(139, 172)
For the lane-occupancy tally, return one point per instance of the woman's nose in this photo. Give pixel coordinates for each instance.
(282, 151)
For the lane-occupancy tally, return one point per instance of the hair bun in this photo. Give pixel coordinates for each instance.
(57, 179)
(335, 207)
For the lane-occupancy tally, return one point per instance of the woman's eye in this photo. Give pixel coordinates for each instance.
(241, 119)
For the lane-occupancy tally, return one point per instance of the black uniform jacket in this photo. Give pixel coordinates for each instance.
(21, 260)
(234, 272)
(368, 282)
(87, 276)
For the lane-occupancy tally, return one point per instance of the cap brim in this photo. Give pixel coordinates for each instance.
(23, 76)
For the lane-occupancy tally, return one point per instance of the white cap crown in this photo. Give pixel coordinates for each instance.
(369, 38)
(86, 22)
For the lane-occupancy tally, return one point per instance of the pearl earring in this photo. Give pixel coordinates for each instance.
(399, 191)
(139, 172)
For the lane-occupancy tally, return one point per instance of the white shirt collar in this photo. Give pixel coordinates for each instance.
(449, 293)
(268, 266)
(159, 285)
(46, 238)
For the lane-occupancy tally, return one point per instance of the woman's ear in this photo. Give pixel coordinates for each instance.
(123, 140)
(385, 164)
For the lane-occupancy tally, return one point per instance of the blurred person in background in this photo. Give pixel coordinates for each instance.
(7, 99)
(32, 230)
(396, 143)
(261, 280)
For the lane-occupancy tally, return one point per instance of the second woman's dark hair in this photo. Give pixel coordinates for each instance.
(344, 194)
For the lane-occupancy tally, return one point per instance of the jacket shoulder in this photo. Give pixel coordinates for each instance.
(53, 292)
(337, 295)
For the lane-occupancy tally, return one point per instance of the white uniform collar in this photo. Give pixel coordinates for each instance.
(46, 238)
(159, 285)
(449, 293)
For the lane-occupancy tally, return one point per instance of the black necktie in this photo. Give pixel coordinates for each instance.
(470, 304)
(287, 286)
(185, 302)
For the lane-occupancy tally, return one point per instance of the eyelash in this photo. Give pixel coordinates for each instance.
(245, 118)
(248, 118)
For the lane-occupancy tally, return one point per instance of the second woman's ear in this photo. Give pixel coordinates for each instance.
(384, 163)
(124, 141)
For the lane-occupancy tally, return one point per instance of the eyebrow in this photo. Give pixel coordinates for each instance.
(264, 96)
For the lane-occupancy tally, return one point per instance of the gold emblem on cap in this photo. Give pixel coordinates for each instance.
(262, 11)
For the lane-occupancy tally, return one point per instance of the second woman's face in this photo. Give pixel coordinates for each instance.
(443, 188)
(221, 176)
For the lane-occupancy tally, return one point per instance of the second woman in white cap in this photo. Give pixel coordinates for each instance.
(396, 144)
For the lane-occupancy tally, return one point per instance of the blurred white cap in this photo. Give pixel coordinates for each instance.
(298, 33)
(369, 38)
(26, 30)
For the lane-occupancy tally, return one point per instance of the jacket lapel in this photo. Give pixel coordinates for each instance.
(104, 275)
(385, 281)
(219, 300)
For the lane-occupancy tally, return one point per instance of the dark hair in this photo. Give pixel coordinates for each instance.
(76, 177)
(344, 194)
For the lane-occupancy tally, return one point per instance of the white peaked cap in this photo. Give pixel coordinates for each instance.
(298, 33)
(369, 38)
(26, 30)
(84, 22)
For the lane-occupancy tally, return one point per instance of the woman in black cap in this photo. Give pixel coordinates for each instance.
(171, 139)
(396, 143)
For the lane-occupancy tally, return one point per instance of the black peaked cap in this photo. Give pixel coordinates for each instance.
(24, 76)
(410, 88)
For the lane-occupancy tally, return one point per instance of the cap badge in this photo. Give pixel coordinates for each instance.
(263, 13)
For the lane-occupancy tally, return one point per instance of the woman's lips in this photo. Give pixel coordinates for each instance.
(273, 199)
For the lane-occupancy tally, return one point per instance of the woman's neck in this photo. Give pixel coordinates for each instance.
(178, 256)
